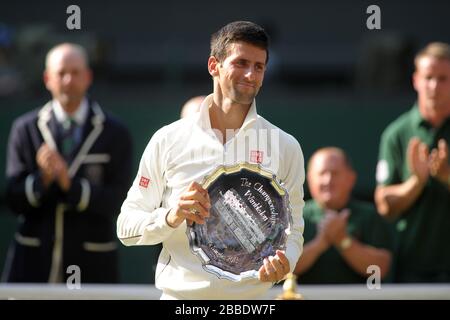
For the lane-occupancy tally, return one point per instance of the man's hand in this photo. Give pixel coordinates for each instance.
(193, 206)
(335, 225)
(274, 268)
(62, 172)
(52, 167)
(418, 155)
(321, 236)
(438, 164)
(44, 160)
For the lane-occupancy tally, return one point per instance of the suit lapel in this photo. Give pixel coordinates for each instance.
(47, 125)
(92, 129)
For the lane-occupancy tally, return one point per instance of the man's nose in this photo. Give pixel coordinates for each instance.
(326, 178)
(250, 73)
(432, 84)
(67, 78)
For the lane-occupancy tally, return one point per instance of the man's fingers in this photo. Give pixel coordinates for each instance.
(442, 150)
(278, 268)
(268, 266)
(196, 186)
(197, 196)
(282, 256)
(413, 147)
(413, 153)
(262, 275)
(192, 217)
(44, 162)
(330, 212)
(329, 218)
(423, 152)
(433, 162)
(193, 207)
(43, 153)
(195, 203)
(59, 164)
(274, 268)
(43, 147)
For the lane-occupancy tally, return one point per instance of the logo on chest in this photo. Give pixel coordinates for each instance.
(256, 156)
(144, 182)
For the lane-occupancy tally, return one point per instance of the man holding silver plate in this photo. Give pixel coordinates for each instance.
(222, 190)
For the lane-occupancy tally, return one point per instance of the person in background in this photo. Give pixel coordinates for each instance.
(343, 236)
(413, 173)
(68, 167)
(191, 106)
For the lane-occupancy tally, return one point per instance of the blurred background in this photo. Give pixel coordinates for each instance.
(330, 80)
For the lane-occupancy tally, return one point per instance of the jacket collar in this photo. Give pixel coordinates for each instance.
(79, 116)
(93, 126)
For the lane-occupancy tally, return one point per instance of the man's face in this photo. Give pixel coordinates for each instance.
(432, 83)
(241, 74)
(67, 77)
(330, 180)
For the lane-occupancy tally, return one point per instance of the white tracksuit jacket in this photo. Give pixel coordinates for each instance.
(188, 150)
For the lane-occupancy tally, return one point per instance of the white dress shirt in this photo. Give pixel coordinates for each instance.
(188, 150)
(79, 116)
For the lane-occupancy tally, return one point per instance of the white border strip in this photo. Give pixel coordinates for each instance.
(100, 246)
(27, 241)
(56, 268)
(44, 117)
(31, 197)
(85, 195)
(97, 158)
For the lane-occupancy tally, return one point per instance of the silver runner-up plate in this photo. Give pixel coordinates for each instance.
(249, 216)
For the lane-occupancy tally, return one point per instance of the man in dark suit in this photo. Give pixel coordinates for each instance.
(68, 170)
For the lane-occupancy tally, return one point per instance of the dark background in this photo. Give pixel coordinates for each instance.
(330, 80)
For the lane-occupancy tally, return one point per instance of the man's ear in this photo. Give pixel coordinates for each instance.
(45, 78)
(89, 76)
(415, 79)
(352, 178)
(213, 66)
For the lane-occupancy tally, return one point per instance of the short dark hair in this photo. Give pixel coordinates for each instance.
(236, 31)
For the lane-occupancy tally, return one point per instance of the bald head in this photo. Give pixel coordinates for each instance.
(191, 106)
(67, 75)
(334, 152)
(330, 178)
(63, 51)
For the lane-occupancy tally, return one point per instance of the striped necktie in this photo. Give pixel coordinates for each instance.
(68, 137)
